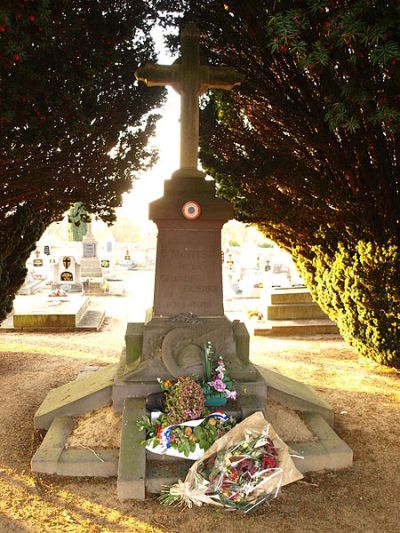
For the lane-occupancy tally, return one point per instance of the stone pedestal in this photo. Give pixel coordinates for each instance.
(90, 264)
(188, 302)
(188, 275)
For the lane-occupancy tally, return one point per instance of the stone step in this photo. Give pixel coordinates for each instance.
(92, 320)
(290, 296)
(287, 328)
(299, 311)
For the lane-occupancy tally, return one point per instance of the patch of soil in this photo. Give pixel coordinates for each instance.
(98, 429)
(102, 428)
(288, 424)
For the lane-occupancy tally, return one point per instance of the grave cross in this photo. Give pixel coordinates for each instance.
(190, 79)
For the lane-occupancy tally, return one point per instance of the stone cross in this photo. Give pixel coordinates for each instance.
(190, 79)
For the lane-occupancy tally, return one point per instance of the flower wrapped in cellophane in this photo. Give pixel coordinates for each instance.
(241, 470)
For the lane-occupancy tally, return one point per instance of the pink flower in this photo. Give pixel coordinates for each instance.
(231, 394)
(218, 385)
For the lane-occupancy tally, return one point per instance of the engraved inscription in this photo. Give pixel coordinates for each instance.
(189, 273)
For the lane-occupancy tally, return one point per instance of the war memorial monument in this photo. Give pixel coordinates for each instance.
(187, 313)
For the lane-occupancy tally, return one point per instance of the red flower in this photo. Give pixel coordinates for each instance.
(268, 462)
(2, 28)
(31, 18)
(17, 57)
(234, 474)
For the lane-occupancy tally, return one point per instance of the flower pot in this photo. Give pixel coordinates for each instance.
(212, 400)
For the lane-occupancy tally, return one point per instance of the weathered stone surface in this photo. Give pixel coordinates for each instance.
(188, 275)
(295, 394)
(52, 457)
(132, 457)
(39, 315)
(330, 452)
(134, 342)
(250, 404)
(290, 296)
(94, 463)
(190, 79)
(294, 312)
(77, 397)
(286, 328)
(242, 341)
(48, 454)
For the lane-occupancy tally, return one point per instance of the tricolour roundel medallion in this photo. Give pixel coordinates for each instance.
(191, 210)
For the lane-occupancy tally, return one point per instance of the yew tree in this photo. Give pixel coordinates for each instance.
(74, 123)
(308, 147)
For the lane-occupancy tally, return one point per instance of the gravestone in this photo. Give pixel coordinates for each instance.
(188, 302)
(30, 285)
(67, 272)
(90, 264)
(37, 266)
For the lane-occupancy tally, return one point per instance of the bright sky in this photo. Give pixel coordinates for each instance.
(150, 186)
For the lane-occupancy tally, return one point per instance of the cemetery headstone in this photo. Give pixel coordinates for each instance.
(30, 285)
(38, 261)
(67, 272)
(37, 266)
(90, 264)
(188, 302)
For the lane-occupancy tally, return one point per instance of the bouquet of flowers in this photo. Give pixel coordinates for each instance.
(189, 439)
(58, 293)
(179, 430)
(245, 467)
(184, 400)
(217, 387)
(236, 473)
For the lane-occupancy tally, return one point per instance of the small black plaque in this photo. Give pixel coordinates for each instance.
(66, 276)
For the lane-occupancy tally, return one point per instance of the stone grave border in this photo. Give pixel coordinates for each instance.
(329, 452)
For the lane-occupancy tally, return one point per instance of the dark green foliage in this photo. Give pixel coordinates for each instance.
(68, 97)
(308, 147)
(359, 289)
(18, 238)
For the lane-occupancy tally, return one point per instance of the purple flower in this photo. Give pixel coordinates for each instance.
(218, 385)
